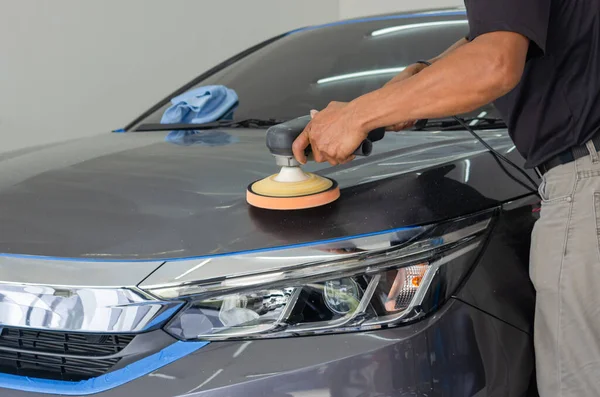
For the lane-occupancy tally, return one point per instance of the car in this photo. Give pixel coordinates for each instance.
(132, 265)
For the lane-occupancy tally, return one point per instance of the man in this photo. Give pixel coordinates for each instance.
(539, 61)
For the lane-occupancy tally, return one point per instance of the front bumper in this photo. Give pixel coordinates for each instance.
(459, 352)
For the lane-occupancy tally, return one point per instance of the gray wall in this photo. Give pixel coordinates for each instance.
(71, 68)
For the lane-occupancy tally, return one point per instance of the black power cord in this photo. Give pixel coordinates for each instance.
(497, 156)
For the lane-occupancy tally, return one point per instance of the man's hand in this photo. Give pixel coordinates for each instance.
(333, 135)
(318, 133)
(330, 124)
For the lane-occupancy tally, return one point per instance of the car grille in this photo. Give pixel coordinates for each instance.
(58, 355)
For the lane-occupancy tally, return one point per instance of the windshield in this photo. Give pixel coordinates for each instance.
(308, 69)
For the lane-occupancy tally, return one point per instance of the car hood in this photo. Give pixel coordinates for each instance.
(160, 195)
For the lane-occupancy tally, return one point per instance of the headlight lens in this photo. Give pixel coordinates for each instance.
(360, 292)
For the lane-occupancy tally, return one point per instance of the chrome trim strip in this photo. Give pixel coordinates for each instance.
(50, 354)
(75, 309)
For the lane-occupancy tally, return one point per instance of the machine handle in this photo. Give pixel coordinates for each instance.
(281, 137)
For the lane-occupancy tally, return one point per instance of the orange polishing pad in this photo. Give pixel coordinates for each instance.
(313, 191)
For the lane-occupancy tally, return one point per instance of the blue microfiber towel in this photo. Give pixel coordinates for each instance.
(201, 105)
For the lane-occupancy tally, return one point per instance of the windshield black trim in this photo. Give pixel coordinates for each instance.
(450, 124)
(248, 123)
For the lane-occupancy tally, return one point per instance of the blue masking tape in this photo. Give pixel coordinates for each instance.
(202, 257)
(381, 18)
(164, 316)
(106, 382)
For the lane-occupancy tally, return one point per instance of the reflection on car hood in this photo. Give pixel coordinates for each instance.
(141, 196)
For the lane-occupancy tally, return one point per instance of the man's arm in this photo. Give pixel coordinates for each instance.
(468, 77)
(453, 47)
(416, 68)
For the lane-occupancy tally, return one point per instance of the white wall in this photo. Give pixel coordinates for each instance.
(358, 8)
(72, 68)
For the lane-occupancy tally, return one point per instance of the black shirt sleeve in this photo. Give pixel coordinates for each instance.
(529, 18)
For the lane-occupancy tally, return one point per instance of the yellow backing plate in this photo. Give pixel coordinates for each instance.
(270, 187)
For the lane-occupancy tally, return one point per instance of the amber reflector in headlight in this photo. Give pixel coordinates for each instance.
(368, 290)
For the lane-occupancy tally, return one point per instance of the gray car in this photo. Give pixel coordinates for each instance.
(131, 264)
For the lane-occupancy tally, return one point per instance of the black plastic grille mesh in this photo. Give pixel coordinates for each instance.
(46, 355)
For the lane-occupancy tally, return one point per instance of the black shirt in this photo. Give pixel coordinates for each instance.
(557, 103)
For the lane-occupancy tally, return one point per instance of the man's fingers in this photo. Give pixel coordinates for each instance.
(331, 160)
(393, 128)
(317, 155)
(349, 159)
(299, 145)
(321, 156)
(313, 113)
(401, 126)
(344, 160)
(325, 156)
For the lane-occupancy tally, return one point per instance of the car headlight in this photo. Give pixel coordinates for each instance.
(363, 290)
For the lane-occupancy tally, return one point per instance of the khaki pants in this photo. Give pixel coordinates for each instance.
(565, 270)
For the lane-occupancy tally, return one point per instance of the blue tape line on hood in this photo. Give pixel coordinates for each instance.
(382, 18)
(209, 138)
(201, 257)
(106, 382)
